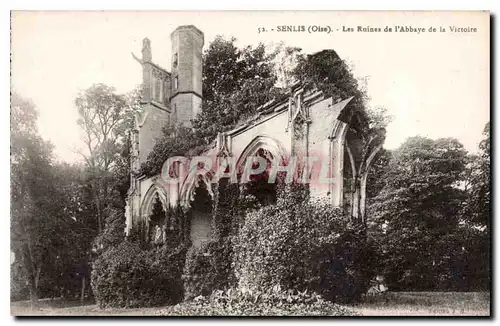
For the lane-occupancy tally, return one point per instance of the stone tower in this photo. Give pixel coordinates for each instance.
(156, 110)
(186, 72)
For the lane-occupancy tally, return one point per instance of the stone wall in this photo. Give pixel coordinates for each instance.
(155, 119)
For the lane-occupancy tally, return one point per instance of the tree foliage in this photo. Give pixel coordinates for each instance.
(376, 176)
(416, 215)
(235, 83)
(106, 119)
(31, 205)
(476, 216)
(478, 186)
(53, 209)
(326, 71)
(47, 236)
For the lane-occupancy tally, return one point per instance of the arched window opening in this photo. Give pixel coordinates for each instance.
(259, 185)
(157, 222)
(201, 215)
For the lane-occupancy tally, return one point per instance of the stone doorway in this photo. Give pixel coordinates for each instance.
(201, 215)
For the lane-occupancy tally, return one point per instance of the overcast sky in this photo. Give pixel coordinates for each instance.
(433, 84)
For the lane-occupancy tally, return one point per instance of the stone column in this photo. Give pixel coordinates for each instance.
(336, 160)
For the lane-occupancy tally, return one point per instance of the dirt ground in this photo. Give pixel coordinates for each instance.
(394, 304)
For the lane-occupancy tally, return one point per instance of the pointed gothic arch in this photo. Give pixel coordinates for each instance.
(155, 191)
(153, 212)
(258, 185)
(189, 184)
(261, 142)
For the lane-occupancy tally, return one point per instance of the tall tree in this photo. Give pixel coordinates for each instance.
(376, 176)
(235, 83)
(417, 213)
(40, 225)
(326, 71)
(105, 119)
(478, 183)
(71, 259)
(30, 163)
(476, 217)
(286, 59)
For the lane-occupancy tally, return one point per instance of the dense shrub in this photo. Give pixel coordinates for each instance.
(208, 268)
(302, 245)
(113, 232)
(272, 302)
(129, 276)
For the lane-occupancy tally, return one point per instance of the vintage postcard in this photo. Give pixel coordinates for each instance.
(250, 163)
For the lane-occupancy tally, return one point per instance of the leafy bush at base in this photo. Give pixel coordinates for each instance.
(302, 245)
(129, 276)
(272, 302)
(208, 268)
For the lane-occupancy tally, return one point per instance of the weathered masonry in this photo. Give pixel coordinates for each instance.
(304, 125)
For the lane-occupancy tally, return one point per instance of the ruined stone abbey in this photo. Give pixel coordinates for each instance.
(306, 124)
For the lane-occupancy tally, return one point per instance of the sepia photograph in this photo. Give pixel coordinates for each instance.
(250, 163)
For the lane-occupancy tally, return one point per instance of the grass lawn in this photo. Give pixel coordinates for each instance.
(428, 304)
(396, 304)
